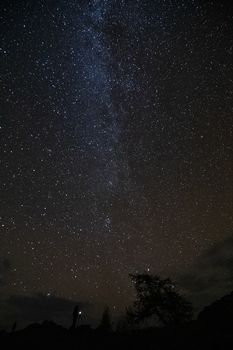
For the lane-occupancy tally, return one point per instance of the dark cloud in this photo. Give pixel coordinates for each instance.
(212, 275)
(36, 308)
(5, 267)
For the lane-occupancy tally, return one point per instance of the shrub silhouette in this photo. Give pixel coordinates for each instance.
(158, 297)
(105, 324)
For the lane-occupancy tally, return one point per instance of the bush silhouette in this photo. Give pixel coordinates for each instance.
(105, 324)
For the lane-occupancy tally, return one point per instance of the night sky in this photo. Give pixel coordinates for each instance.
(115, 148)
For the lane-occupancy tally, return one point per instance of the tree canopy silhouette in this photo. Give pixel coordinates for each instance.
(160, 298)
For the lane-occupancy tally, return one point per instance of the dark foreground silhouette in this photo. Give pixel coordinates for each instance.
(49, 335)
(212, 330)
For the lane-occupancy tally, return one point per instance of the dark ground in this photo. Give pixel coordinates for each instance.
(213, 330)
(48, 335)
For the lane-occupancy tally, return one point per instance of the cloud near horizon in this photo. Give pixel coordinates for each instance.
(211, 276)
(5, 267)
(37, 308)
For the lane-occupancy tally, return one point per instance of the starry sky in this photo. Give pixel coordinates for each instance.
(115, 148)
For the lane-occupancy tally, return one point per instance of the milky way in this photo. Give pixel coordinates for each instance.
(116, 143)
